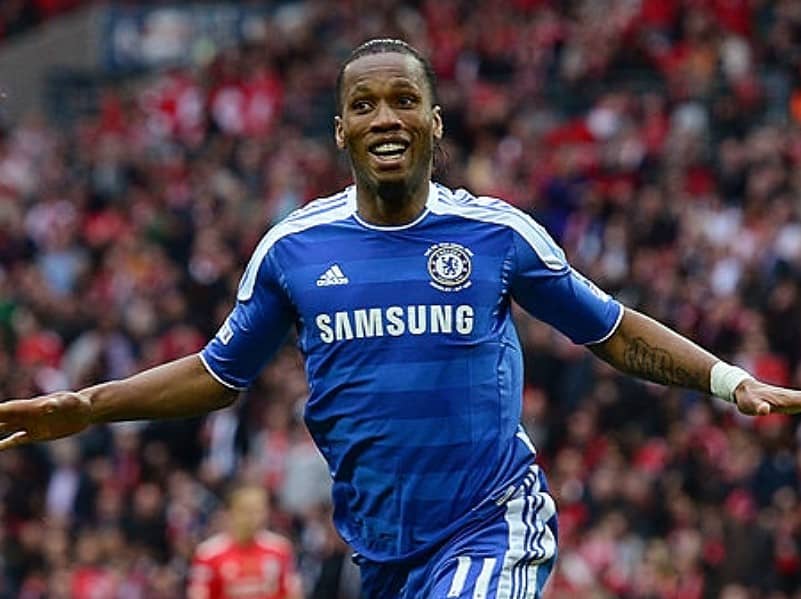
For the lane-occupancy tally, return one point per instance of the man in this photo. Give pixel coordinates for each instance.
(247, 562)
(401, 292)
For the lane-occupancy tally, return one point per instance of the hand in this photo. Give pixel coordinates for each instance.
(756, 398)
(43, 418)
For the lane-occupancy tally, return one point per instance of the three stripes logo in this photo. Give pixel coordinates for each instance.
(332, 276)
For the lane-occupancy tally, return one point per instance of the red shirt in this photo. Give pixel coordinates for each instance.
(260, 569)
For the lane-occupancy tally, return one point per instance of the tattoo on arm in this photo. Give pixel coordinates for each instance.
(655, 364)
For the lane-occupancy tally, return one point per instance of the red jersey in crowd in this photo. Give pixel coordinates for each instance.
(263, 568)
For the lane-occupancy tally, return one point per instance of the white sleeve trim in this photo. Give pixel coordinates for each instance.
(612, 330)
(216, 377)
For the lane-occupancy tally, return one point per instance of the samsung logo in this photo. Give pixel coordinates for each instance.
(395, 321)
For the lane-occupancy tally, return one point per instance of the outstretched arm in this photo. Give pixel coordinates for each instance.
(177, 389)
(647, 349)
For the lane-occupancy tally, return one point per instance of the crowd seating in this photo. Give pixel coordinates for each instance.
(659, 142)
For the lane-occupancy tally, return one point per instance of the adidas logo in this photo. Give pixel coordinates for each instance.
(333, 276)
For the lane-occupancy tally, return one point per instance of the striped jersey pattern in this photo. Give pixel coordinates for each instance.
(413, 363)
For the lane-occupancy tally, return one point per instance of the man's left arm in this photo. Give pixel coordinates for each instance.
(544, 284)
(642, 347)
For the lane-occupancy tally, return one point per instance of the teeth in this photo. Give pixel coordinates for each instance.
(388, 148)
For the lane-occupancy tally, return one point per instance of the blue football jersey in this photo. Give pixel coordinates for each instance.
(414, 366)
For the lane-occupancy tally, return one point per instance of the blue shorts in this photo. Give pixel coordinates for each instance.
(507, 556)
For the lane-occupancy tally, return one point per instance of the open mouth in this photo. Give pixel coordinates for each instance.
(388, 150)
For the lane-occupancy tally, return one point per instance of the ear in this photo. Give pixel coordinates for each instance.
(339, 133)
(438, 127)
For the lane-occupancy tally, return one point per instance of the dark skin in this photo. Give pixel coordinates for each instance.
(386, 100)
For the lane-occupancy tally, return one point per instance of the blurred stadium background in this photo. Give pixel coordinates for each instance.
(146, 147)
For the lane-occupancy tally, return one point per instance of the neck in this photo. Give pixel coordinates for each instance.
(243, 537)
(391, 206)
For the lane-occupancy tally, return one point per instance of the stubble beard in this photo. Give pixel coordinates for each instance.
(397, 192)
(394, 193)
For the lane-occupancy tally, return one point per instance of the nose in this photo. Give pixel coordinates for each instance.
(385, 118)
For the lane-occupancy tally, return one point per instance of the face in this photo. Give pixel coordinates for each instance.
(248, 512)
(388, 124)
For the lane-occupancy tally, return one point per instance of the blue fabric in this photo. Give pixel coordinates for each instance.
(484, 545)
(414, 366)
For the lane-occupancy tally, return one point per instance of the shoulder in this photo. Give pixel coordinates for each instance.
(321, 210)
(316, 213)
(460, 198)
(270, 540)
(213, 547)
(274, 543)
(460, 202)
(499, 213)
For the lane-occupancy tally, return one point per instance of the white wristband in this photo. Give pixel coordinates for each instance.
(724, 379)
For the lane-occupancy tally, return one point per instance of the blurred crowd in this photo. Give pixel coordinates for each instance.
(18, 16)
(659, 141)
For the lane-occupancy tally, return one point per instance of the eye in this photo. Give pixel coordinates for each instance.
(407, 101)
(360, 106)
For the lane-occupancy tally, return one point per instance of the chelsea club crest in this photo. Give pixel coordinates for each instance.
(449, 266)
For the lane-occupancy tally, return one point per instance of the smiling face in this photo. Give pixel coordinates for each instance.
(388, 124)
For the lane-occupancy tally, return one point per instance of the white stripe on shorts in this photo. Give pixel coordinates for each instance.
(460, 577)
(530, 541)
(484, 578)
(517, 533)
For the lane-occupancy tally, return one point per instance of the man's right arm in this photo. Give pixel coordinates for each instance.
(178, 389)
(190, 386)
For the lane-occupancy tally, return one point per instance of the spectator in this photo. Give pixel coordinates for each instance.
(247, 561)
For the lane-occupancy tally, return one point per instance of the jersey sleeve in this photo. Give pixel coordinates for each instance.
(549, 289)
(254, 329)
(203, 582)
